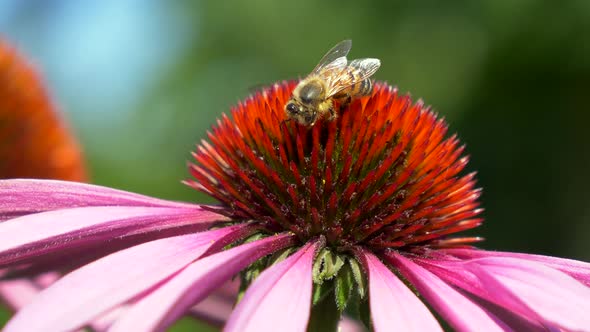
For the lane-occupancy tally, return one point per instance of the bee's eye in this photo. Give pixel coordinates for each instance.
(292, 108)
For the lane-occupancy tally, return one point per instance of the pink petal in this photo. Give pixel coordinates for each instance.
(455, 273)
(46, 279)
(17, 293)
(34, 235)
(547, 294)
(461, 313)
(106, 320)
(214, 310)
(393, 305)
(164, 305)
(25, 196)
(95, 288)
(577, 269)
(347, 324)
(516, 321)
(218, 306)
(280, 298)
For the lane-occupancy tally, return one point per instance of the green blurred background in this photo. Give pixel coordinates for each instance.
(142, 81)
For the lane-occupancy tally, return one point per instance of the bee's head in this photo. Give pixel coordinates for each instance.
(300, 113)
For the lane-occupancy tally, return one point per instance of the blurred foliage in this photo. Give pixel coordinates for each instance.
(511, 77)
(4, 315)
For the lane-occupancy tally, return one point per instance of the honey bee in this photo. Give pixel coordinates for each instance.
(334, 78)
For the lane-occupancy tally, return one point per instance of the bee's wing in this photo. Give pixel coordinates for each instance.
(335, 58)
(356, 71)
(366, 67)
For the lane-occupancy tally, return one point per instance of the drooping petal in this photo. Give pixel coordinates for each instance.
(347, 324)
(25, 196)
(106, 320)
(164, 305)
(32, 236)
(95, 288)
(514, 320)
(213, 310)
(393, 304)
(218, 306)
(280, 298)
(577, 269)
(454, 272)
(531, 288)
(468, 274)
(461, 313)
(18, 293)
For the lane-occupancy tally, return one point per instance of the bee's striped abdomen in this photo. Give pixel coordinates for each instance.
(366, 87)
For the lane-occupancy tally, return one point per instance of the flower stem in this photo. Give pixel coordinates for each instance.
(324, 315)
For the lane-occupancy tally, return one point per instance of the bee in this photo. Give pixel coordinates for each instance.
(334, 78)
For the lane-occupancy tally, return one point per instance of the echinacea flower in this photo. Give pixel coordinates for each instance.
(355, 214)
(34, 138)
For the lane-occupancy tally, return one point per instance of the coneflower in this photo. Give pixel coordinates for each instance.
(34, 139)
(356, 214)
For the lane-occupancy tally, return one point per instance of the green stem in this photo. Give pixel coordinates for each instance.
(324, 315)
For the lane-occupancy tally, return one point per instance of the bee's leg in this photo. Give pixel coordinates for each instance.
(345, 102)
(333, 114)
(286, 121)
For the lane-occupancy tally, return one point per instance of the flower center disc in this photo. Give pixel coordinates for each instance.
(382, 174)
